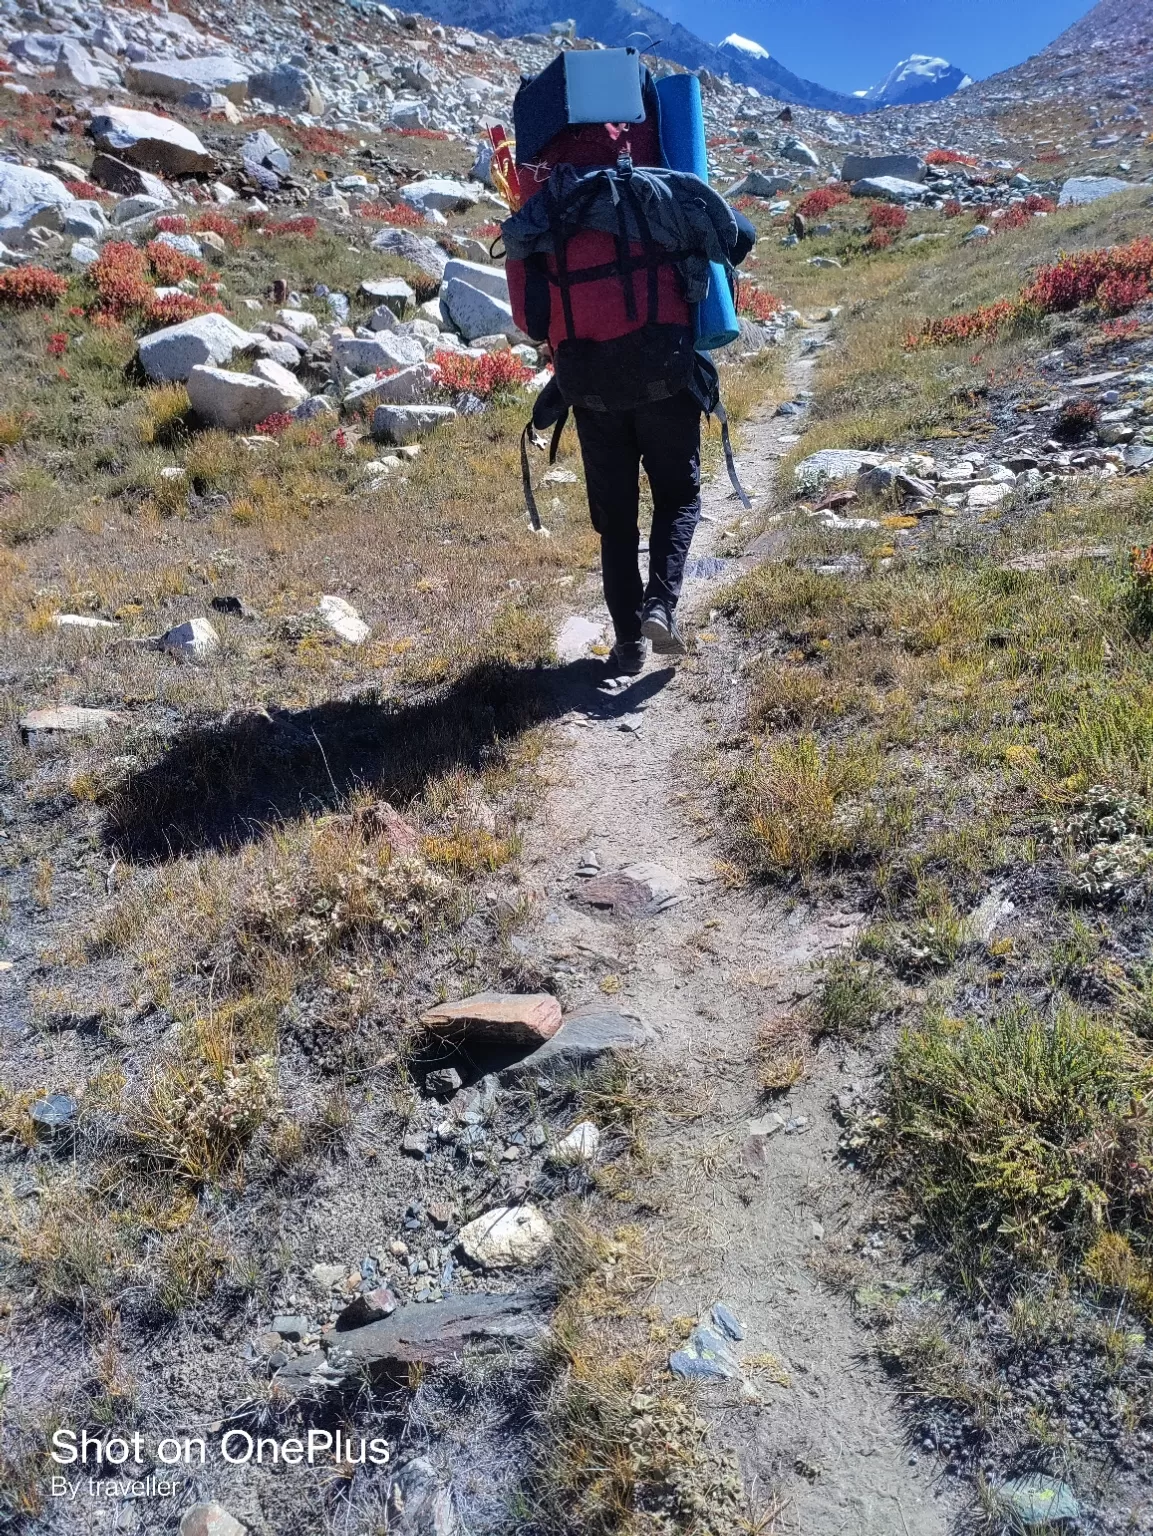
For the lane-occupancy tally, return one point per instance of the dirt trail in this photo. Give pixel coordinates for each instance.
(704, 976)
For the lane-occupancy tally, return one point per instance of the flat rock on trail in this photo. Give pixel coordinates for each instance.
(704, 974)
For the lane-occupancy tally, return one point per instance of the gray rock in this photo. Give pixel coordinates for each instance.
(576, 635)
(172, 79)
(369, 1307)
(706, 1355)
(420, 250)
(419, 1503)
(385, 350)
(832, 464)
(22, 186)
(865, 167)
(403, 388)
(260, 148)
(978, 232)
(442, 1082)
(476, 313)
(143, 193)
(1038, 1500)
(890, 189)
(885, 478)
(638, 890)
(54, 1115)
(757, 184)
(391, 292)
(409, 114)
(435, 1333)
(238, 401)
(489, 279)
(314, 407)
(580, 1041)
(210, 1520)
(1090, 189)
(76, 66)
(291, 1325)
(507, 1237)
(195, 640)
(727, 1321)
(1138, 456)
(440, 192)
(66, 720)
(84, 220)
(288, 86)
(404, 423)
(172, 354)
(795, 149)
(151, 142)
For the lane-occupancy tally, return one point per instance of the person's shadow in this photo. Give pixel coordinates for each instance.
(222, 784)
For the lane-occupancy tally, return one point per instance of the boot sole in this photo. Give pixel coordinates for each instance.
(664, 641)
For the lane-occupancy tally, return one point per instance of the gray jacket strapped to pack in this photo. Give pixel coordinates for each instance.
(641, 205)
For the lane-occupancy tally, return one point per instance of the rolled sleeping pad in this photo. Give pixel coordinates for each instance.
(683, 141)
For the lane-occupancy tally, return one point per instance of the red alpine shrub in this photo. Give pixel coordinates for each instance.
(399, 215)
(948, 157)
(820, 200)
(120, 279)
(880, 239)
(171, 266)
(27, 287)
(1117, 278)
(303, 224)
(481, 376)
(887, 216)
(953, 209)
(948, 329)
(274, 425)
(57, 344)
(757, 303)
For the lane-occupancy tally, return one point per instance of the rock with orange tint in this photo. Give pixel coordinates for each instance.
(498, 1019)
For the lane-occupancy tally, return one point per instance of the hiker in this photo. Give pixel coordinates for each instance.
(600, 271)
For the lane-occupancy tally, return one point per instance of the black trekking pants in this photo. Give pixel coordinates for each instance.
(666, 438)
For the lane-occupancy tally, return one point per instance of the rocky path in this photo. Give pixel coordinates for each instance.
(754, 1188)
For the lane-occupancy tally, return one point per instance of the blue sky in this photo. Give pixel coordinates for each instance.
(850, 44)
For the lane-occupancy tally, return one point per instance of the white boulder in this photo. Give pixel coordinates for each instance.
(441, 193)
(195, 640)
(343, 619)
(22, 186)
(172, 79)
(384, 351)
(151, 142)
(476, 313)
(507, 1237)
(172, 354)
(403, 423)
(238, 401)
(490, 280)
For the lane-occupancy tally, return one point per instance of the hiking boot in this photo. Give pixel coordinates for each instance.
(660, 627)
(627, 658)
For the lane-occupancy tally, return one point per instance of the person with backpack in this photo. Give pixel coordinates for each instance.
(606, 257)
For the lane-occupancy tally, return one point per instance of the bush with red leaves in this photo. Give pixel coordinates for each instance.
(949, 329)
(953, 209)
(820, 200)
(86, 189)
(57, 344)
(212, 221)
(1118, 279)
(399, 215)
(757, 303)
(274, 425)
(1120, 330)
(481, 376)
(303, 224)
(420, 133)
(948, 157)
(170, 266)
(172, 224)
(890, 216)
(880, 240)
(1077, 419)
(321, 141)
(28, 287)
(486, 231)
(175, 309)
(1035, 203)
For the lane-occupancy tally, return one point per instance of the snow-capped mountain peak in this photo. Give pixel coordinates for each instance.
(745, 45)
(917, 78)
